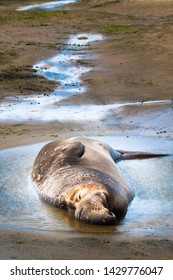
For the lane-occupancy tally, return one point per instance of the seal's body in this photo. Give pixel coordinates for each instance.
(81, 175)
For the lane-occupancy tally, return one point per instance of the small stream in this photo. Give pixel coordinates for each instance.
(50, 6)
(66, 71)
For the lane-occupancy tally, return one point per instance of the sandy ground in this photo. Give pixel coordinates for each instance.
(74, 246)
(133, 63)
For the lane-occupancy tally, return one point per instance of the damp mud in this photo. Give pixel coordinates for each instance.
(150, 213)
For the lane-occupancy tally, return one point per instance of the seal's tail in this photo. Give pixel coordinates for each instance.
(138, 155)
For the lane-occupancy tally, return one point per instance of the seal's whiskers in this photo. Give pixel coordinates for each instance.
(96, 202)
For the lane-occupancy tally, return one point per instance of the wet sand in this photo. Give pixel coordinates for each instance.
(42, 245)
(127, 66)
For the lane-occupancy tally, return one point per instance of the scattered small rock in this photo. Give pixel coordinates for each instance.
(82, 38)
(19, 241)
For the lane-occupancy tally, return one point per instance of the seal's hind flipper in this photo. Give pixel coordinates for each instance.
(138, 155)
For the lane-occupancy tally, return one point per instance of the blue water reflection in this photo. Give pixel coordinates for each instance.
(50, 6)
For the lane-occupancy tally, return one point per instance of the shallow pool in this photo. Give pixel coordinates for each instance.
(151, 212)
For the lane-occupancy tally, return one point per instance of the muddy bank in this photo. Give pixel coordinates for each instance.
(136, 30)
(35, 245)
(134, 120)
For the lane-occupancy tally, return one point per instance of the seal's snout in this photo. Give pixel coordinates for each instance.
(85, 212)
(96, 217)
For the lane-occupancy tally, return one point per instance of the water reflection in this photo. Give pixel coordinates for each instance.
(50, 6)
(67, 72)
(150, 212)
(62, 68)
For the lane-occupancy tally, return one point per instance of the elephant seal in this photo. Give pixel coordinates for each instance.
(81, 175)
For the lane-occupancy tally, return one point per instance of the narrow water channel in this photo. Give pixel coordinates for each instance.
(67, 72)
(62, 68)
(54, 5)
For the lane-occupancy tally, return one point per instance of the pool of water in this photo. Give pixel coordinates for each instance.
(151, 212)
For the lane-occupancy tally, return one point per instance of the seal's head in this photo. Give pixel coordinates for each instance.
(91, 207)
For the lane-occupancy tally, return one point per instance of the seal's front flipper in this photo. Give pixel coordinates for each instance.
(138, 155)
(75, 149)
